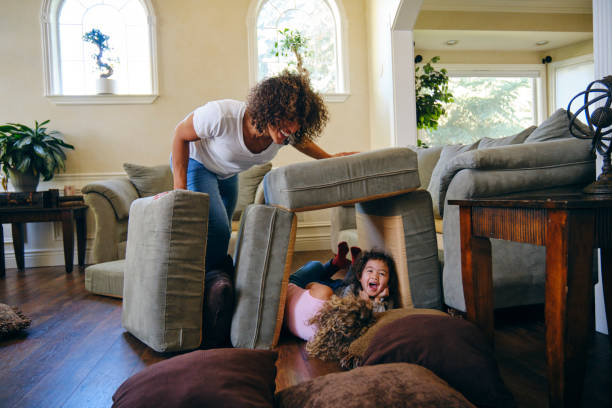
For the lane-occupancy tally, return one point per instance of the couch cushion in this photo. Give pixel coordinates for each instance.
(149, 180)
(427, 160)
(554, 127)
(331, 182)
(454, 349)
(211, 378)
(163, 284)
(105, 278)
(487, 142)
(383, 386)
(119, 192)
(248, 182)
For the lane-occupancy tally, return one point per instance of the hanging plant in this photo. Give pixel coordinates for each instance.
(432, 93)
(100, 40)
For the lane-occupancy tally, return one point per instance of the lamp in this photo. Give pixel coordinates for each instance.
(599, 130)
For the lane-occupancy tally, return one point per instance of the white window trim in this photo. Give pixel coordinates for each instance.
(551, 72)
(51, 61)
(537, 71)
(342, 40)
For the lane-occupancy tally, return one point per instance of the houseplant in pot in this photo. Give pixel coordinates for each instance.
(26, 154)
(104, 84)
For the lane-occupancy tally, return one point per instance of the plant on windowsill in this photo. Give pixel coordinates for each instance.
(432, 93)
(26, 154)
(104, 85)
(293, 41)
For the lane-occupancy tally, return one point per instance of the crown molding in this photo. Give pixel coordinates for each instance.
(511, 6)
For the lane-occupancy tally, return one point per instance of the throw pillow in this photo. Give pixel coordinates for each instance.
(358, 347)
(555, 127)
(386, 385)
(149, 180)
(454, 349)
(203, 378)
(12, 320)
(487, 142)
(248, 182)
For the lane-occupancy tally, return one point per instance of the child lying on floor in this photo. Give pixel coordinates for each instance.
(372, 276)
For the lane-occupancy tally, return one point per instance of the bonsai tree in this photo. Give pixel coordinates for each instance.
(292, 41)
(26, 150)
(100, 40)
(432, 93)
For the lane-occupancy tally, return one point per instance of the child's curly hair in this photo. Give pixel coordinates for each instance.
(353, 276)
(288, 96)
(340, 321)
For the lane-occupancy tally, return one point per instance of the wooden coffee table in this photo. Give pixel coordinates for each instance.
(70, 214)
(570, 225)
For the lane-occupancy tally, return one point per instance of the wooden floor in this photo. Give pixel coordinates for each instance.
(76, 354)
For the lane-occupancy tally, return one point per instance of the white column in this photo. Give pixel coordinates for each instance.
(602, 41)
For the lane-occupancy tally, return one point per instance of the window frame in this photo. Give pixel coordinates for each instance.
(552, 71)
(342, 63)
(52, 66)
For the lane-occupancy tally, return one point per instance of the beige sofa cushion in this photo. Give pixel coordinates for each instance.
(149, 180)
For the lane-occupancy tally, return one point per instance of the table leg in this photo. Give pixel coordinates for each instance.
(477, 275)
(2, 265)
(68, 234)
(606, 283)
(81, 228)
(18, 234)
(569, 291)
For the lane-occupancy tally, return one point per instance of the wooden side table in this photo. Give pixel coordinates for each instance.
(570, 225)
(69, 215)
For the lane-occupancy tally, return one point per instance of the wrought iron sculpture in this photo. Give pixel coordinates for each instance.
(598, 95)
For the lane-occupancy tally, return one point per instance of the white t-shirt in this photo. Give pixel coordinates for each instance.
(221, 147)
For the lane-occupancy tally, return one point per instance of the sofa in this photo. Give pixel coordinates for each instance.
(110, 201)
(537, 159)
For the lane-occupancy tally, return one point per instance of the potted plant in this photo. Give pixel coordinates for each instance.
(292, 41)
(26, 154)
(431, 88)
(104, 85)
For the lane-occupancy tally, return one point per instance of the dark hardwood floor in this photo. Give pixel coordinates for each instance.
(76, 354)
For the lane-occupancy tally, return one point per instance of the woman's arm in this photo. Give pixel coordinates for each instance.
(313, 150)
(183, 134)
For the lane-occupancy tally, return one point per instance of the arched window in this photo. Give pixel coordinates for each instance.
(322, 22)
(70, 66)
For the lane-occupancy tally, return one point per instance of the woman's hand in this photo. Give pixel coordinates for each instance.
(343, 154)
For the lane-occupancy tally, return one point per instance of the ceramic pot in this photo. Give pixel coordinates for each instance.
(24, 182)
(105, 86)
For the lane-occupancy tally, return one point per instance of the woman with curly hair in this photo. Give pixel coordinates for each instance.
(371, 277)
(222, 138)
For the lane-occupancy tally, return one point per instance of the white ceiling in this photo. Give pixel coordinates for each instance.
(494, 40)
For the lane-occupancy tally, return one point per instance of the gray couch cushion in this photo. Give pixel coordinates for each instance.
(105, 278)
(331, 182)
(120, 193)
(427, 160)
(248, 182)
(554, 127)
(263, 259)
(164, 270)
(487, 142)
(149, 180)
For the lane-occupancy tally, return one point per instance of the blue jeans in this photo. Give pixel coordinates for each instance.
(315, 271)
(223, 195)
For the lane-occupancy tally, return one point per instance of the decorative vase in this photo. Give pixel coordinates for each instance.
(24, 182)
(105, 86)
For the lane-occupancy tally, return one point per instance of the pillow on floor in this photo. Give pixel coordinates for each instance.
(12, 320)
(381, 386)
(356, 350)
(203, 378)
(454, 349)
(150, 180)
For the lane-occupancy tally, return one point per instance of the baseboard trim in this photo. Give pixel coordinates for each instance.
(34, 258)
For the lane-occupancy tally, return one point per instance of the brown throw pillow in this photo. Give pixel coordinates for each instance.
(358, 347)
(381, 386)
(454, 349)
(203, 378)
(12, 320)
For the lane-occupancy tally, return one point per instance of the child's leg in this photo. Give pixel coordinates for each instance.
(313, 271)
(320, 291)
